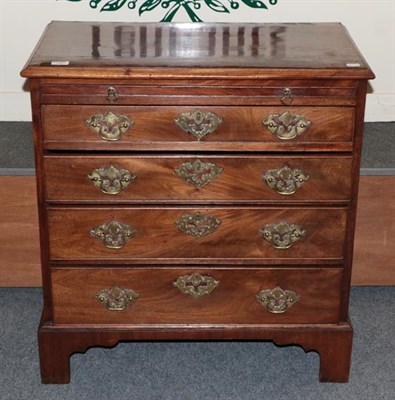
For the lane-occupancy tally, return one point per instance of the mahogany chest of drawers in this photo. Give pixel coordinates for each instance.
(196, 182)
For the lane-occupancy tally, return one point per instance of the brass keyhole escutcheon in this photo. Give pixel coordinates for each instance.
(113, 234)
(196, 285)
(198, 123)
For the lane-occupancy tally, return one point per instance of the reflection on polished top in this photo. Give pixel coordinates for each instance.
(68, 45)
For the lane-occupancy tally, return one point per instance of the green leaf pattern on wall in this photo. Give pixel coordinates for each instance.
(172, 7)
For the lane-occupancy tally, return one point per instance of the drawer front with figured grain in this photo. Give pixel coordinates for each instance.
(196, 295)
(197, 128)
(170, 178)
(203, 234)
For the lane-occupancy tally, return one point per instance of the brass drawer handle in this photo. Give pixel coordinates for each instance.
(114, 234)
(198, 173)
(287, 97)
(116, 298)
(277, 300)
(196, 285)
(282, 235)
(285, 181)
(198, 123)
(112, 95)
(111, 180)
(286, 126)
(197, 224)
(109, 126)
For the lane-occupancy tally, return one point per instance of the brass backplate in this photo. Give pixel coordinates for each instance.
(198, 173)
(286, 126)
(285, 181)
(111, 180)
(113, 234)
(196, 285)
(198, 225)
(282, 235)
(277, 300)
(116, 298)
(109, 126)
(198, 123)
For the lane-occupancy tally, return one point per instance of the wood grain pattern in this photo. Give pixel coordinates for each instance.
(373, 256)
(159, 302)
(154, 128)
(19, 242)
(156, 180)
(237, 237)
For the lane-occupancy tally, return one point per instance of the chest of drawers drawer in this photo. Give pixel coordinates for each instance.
(197, 234)
(192, 128)
(119, 178)
(180, 296)
(197, 195)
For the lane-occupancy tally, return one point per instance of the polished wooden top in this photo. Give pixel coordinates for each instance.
(119, 50)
